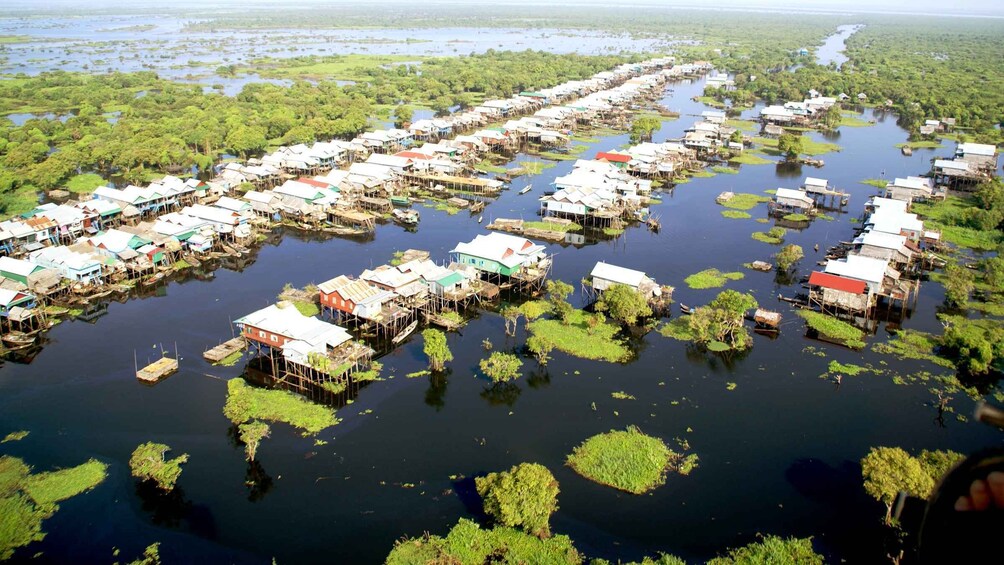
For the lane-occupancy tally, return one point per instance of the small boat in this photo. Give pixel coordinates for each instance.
(686, 309)
(526, 189)
(405, 216)
(404, 334)
(153, 279)
(907, 150)
(481, 219)
(18, 340)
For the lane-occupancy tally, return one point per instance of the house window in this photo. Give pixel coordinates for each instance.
(261, 334)
(275, 339)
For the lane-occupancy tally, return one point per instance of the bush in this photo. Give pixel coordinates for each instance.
(523, 497)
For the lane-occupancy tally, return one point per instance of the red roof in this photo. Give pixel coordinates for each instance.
(613, 157)
(836, 282)
(312, 182)
(412, 155)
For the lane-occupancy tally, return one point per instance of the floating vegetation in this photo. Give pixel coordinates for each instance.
(711, 278)
(417, 374)
(678, 328)
(26, 498)
(334, 387)
(148, 463)
(725, 170)
(627, 460)
(246, 403)
(849, 369)
(854, 122)
(832, 328)
(180, 265)
(15, 436)
(736, 214)
(877, 183)
(762, 221)
(579, 339)
(486, 166)
(796, 218)
(825, 217)
(774, 235)
(553, 226)
(924, 144)
(621, 395)
(913, 344)
(730, 386)
(749, 158)
(533, 309)
(467, 542)
(613, 232)
(771, 191)
(745, 201)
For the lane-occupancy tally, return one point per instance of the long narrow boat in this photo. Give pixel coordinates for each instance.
(407, 332)
(18, 340)
(526, 189)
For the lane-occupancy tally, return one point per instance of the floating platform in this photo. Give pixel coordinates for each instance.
(157, 370)
(224, 350)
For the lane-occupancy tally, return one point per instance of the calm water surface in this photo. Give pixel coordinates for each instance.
(777, 455)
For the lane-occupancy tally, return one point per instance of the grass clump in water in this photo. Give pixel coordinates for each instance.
(678, 328)
(924, 144)
(245, 403)
(749, 158)
(913, 344)
(553, 226)
(796, 218)
(467, 542)
(877, 183)
(533, 309)
(578, 339)
(711, 278)
(627, 460)
(774, 235)
(148, 463)
(613, 232)
(736, 214)
(725, 170)
(27, 499)
(621, 395)
(745, 201)
(850, 369)
(230, 360)
(832, 328)
(15, 436)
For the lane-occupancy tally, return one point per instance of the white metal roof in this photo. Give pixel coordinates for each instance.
(858, 267)
(620, 275)
(980, 149)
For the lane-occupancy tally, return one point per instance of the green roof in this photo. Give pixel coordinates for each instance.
(450, 279)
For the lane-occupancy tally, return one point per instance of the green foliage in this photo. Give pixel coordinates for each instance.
(541, 347)
(468, 544)
(913, 344)
(888, 470)
(976, 345)
(773, 550)
(721, 321)
(745, 201)
(552, 226)
(624, 304)
(938, 463)
(151, 556)
(711, 278)
(523, 497)
(832, 328)
(307, 307)
(579, 339)
(15, 436)
(643, 127)
(436, 349)
(796, 218)
(749, 158)
(557, 292)
(959, 282)
(849, 369)
(678, 328)
(627, 460)
(501, 367)
(877, 183)
(736, 214)
(148, 463)
(788, 256)
(251, 434)
(27, 499)
(967, 222)
(85, 183)
(774, 235)
(246, 403)
(533, 309)
(790, 145)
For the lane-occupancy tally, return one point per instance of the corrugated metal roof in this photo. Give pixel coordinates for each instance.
(836, 282)
(616, 274)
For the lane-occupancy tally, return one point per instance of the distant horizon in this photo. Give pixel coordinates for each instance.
(959, 8)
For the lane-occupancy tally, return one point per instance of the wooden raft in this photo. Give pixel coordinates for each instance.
(224, 350)
(157, 370)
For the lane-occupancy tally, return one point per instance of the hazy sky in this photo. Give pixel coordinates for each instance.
(948, 7)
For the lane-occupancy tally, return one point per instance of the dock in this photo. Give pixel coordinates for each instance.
(224, 350)
(157, 370)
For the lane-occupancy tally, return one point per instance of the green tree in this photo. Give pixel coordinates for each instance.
(624, 304)
(773, 550)
(436, 349)
(557, 293)
(790, 145)
(523, 497)
(148, 463)
(938, 463)
(888, 470)
(722, 320)
(993, 270)
(788, 256)
(511, 314)
(644, 127)
(402, 115)
(959, 283)
(246, 139)
(251, 435)
(975, 345)
(541, 347)
(501, 367)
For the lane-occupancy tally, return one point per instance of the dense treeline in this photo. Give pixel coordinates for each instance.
(163, 126)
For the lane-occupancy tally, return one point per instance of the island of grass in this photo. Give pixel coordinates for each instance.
(877, 183)
(246, 403)
(467, 542)
(744, 201)
(627, 460)
(725, 170)
(831, 328)
(913, 344)
(946, 217)
(774, 235)
(27, 499)
(711, 278)
(736, 214)
(796, 218)
(553, 226)
(854, 122)
(576, 338)
(679, 329)
(920, 145)
(810, 146)
(85, 183)
(749, 158)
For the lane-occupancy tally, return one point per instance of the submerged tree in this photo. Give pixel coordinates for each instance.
(148, 463)
(644, 127)
(511, 315)
(959, 283)
(722, 320)
(251, 434)
(790, 145)
(522, 497)
(436, 349)
(501, 367)
(557, 294)
(624, 304)
(788, 256)
(888, 470)
(541, 347)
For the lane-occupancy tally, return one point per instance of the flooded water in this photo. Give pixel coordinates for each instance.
(778, 454)
(832, 49)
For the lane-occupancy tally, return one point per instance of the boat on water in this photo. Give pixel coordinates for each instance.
(405, 216)
(153, 279)
(686, 309)
(18, 340)
(404, 334)
(526, 189)
(481, 219)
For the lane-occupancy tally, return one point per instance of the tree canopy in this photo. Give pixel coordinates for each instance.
(522, 497)
(436, 349)
(624, 304)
